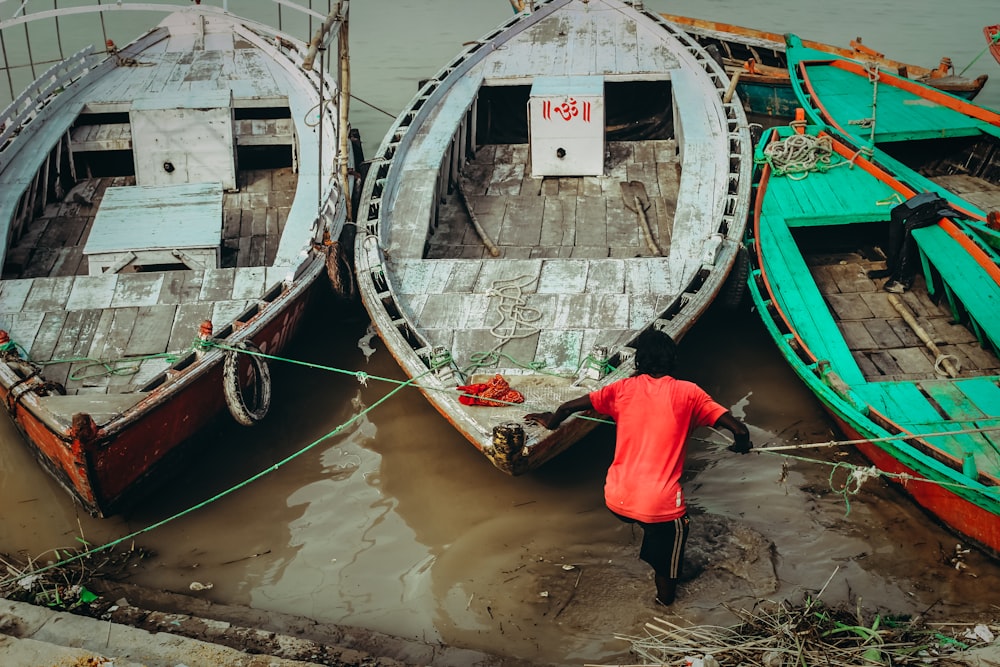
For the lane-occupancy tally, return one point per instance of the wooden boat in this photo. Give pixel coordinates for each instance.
(165, 206)
(758, 57)
(566, 182)
(912, 377)
(952, 144)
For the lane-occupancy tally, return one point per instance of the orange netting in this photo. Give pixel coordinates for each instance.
(496, 392)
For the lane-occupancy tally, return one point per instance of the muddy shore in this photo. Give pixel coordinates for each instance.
(728, 562)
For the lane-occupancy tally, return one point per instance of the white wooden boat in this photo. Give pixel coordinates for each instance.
(572, 178)
(167, 208)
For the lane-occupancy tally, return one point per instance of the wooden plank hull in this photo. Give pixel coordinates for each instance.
(928, 425)
(482, 253)
(144, 444)
(163, 238)
(759, 58)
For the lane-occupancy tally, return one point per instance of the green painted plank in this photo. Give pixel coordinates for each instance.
(840, 195)
(902, 402)
(953, 401)
(983, 392)
(800, 299)
(899, 114)
(965, 279)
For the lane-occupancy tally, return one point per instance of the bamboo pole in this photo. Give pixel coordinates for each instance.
(487, 241)
(949, 366)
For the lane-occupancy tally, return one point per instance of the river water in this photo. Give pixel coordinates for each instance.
(394, 524)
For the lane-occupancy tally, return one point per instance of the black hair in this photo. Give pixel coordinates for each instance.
(655, 353)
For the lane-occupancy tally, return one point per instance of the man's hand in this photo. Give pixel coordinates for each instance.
(546, 419)
(741, 446)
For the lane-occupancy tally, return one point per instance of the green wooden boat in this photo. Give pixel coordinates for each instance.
(756, 59)
(952, 144)
(912, 377)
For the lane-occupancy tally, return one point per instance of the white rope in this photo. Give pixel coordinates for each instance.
(874, 75)
(516, 317)
(858, 477)
(888, 438)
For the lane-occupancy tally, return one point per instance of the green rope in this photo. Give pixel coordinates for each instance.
(989, 43)
(222, 494)
(858, 474)
(493, 357)
(112, 367)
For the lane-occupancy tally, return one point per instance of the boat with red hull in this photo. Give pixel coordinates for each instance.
(170, 209)
(887, 307)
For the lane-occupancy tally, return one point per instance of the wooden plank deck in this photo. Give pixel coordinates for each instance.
(606, 283)
(113, 332)
(906, 384)
(848, 96)
(531, 217)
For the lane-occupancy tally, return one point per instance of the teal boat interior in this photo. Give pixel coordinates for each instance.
(923, 361)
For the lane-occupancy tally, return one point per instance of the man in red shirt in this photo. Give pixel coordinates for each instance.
(655, 413)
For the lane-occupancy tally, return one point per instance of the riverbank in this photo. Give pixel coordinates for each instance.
(145, 628)
(730, 565)
(160, 629)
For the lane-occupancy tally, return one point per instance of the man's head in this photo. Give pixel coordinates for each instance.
(655, 353)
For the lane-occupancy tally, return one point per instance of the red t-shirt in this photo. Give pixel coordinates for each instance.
(655, 416)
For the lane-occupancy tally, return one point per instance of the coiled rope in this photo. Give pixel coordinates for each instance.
(797, 155)
(516, 318)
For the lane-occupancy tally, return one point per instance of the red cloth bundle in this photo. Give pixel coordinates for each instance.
(496, 392)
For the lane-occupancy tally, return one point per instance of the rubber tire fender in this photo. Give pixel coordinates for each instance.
(732, 296)
(243, 412)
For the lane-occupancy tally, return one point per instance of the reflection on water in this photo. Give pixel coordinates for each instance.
(394, 523)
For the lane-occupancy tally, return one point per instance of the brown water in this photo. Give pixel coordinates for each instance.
(395, 524)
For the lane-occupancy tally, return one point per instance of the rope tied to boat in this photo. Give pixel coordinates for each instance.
(874, 74)
(856, 478)
(797, 155)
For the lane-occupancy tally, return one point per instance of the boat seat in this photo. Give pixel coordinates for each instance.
(803, 304)
(969, 289)
(910, 405)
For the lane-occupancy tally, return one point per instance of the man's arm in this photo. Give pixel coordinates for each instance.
(741, 434)
(551, 420)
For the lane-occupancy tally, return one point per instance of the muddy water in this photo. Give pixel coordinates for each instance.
(393, 523)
